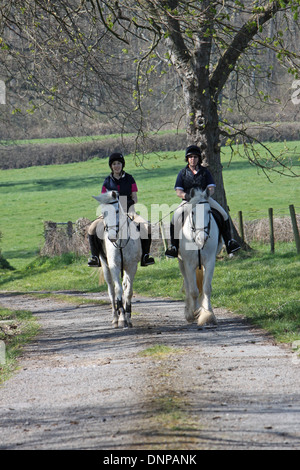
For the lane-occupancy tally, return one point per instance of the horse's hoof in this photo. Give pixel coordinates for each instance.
(189, 316)
(190, 319)
(122, 324)
(114, 324)
(206, 317)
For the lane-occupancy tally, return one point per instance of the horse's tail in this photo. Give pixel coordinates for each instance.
(101, 277)
(199, 279)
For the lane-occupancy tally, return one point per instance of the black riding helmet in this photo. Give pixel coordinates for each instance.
(116, 157)
(193, 150)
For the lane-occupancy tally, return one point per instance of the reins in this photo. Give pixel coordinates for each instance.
(205, 229)
(119, 247)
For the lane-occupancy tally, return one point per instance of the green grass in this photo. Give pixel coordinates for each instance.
(67, 272)
(250, 191)
(17, 327)
(61, 193)
(261, 286)
(59, 140)
(158, 351)
(73, 139)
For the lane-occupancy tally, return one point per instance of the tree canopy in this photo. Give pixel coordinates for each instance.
(208, 66)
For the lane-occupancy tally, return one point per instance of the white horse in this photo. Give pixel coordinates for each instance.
(199, 244)
(121, 251)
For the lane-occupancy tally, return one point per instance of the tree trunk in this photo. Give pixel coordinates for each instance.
(201, 89)
(203, 130)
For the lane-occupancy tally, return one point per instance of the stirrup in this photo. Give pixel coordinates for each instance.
(94, 262)
(233, 246)
(172, 252)
(147, 260)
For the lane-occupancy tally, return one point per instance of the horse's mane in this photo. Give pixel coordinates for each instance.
(197, 196)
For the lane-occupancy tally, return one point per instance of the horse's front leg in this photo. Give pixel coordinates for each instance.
(122, 321)
(111, 293)
(128, 292)
(121, 317)
(191, 291)
(206, 314)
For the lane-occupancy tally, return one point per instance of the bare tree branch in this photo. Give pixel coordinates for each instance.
(239, 44)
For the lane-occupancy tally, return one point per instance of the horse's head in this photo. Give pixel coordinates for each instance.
(200, 216)
(109, 203)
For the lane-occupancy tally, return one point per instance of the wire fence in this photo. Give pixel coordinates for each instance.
(266, 227)
(272, 228)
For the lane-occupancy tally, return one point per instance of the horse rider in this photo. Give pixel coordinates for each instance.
(194, 175)
(124, 183)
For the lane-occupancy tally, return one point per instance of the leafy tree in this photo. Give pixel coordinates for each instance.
(99, 58)
(207, 41)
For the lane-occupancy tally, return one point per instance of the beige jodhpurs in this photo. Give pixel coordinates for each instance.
(213, 204)
(177, 217)
(145, 227)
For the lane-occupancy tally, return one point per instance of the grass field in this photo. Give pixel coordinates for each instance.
(64, 192)
(259, 285)
(20, 327)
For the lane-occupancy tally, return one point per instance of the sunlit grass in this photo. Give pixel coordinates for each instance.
(62, 193)
(17, 327)
(259, 285)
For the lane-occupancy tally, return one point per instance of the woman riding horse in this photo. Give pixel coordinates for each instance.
(194, 175)
(125, 185)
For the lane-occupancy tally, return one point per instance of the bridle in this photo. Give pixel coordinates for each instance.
(205, 229)
(118, 243)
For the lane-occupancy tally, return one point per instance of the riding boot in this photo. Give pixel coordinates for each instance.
(230, 243)
(146, 258)
(172, 252)
(94, 261)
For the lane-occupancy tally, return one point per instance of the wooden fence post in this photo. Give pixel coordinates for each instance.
(295, 227)
(70, 229)
(49, 229)
(271, 230)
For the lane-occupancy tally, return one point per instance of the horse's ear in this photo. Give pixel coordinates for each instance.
(192, 193)
(114, 194)
(207, 192)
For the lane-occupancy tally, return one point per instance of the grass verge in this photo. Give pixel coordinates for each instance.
(17, 327)
(158, 351)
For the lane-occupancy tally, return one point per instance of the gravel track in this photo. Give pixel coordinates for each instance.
(83, 385)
